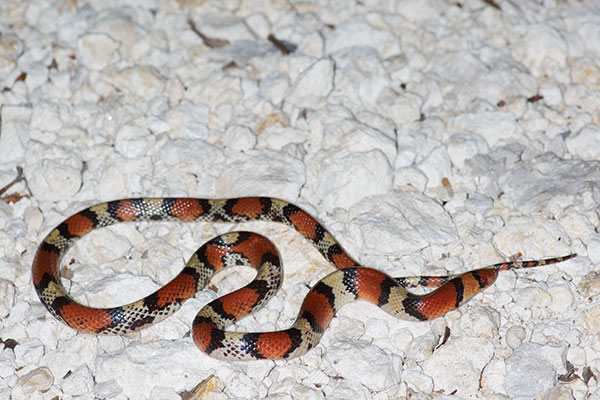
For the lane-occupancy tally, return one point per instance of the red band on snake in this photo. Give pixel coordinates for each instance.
(349, 283)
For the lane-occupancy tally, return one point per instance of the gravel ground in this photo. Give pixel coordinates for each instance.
(429, 136)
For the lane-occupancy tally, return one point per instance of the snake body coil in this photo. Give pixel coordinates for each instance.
(350, 282)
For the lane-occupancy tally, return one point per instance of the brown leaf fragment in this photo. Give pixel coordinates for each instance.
(13, 197)
(67, 273)
(569, 375)
(229, 65)
(201, 390)
(9, 343)
(587, 374)
(22, 76)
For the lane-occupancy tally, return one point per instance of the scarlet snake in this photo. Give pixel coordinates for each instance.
(350, 282)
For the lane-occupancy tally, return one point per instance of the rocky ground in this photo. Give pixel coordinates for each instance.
(429, 136)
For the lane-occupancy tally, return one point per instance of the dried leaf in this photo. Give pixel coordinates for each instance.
(201, 390)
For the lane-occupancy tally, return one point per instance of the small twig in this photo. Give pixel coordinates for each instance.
(445, 338)
(283, 46)
(18, 179)
(493, 4)
(210, 42)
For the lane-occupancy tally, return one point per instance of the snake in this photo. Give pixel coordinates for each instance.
(349, 282)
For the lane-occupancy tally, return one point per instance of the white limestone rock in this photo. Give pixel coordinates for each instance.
(313, 45)
(45, 117)
(410, 178)
(401, 107)
(259, 25)
(7, 297)
(480, 322)
(187, 155)
(456, 366)
(417, 380)
(75, 350)
(417, 10)
(361, 32)
(585, 72)
(400, 223)
(585, 143)
(587, 29)
(529, 363)
(542, 49)
(10, 48)
(29, 352)
(344, 389)
(463, 146)
(279, 138)
(492, 379)
(15, 132)
(96, 51)
(145, 82)
(239, 138)
(593, 248)
(436, 166)
(368, 365)
(562, 298)
(106, 390)
(133, 141)
(230, 29)
(37, 380)
(135, 42)
(8, 366)
(274, 88)
(182, 366)
(515, 336)
(359, 76)
(161, 392)
(55, 179)
(313, 85)
(552, 94)
(79, 382)
(335, 130)
(548, 183)
(533, 237)
(342, 179)
(261, 173)
(494, 126)
(459, 67)
(70, 25)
